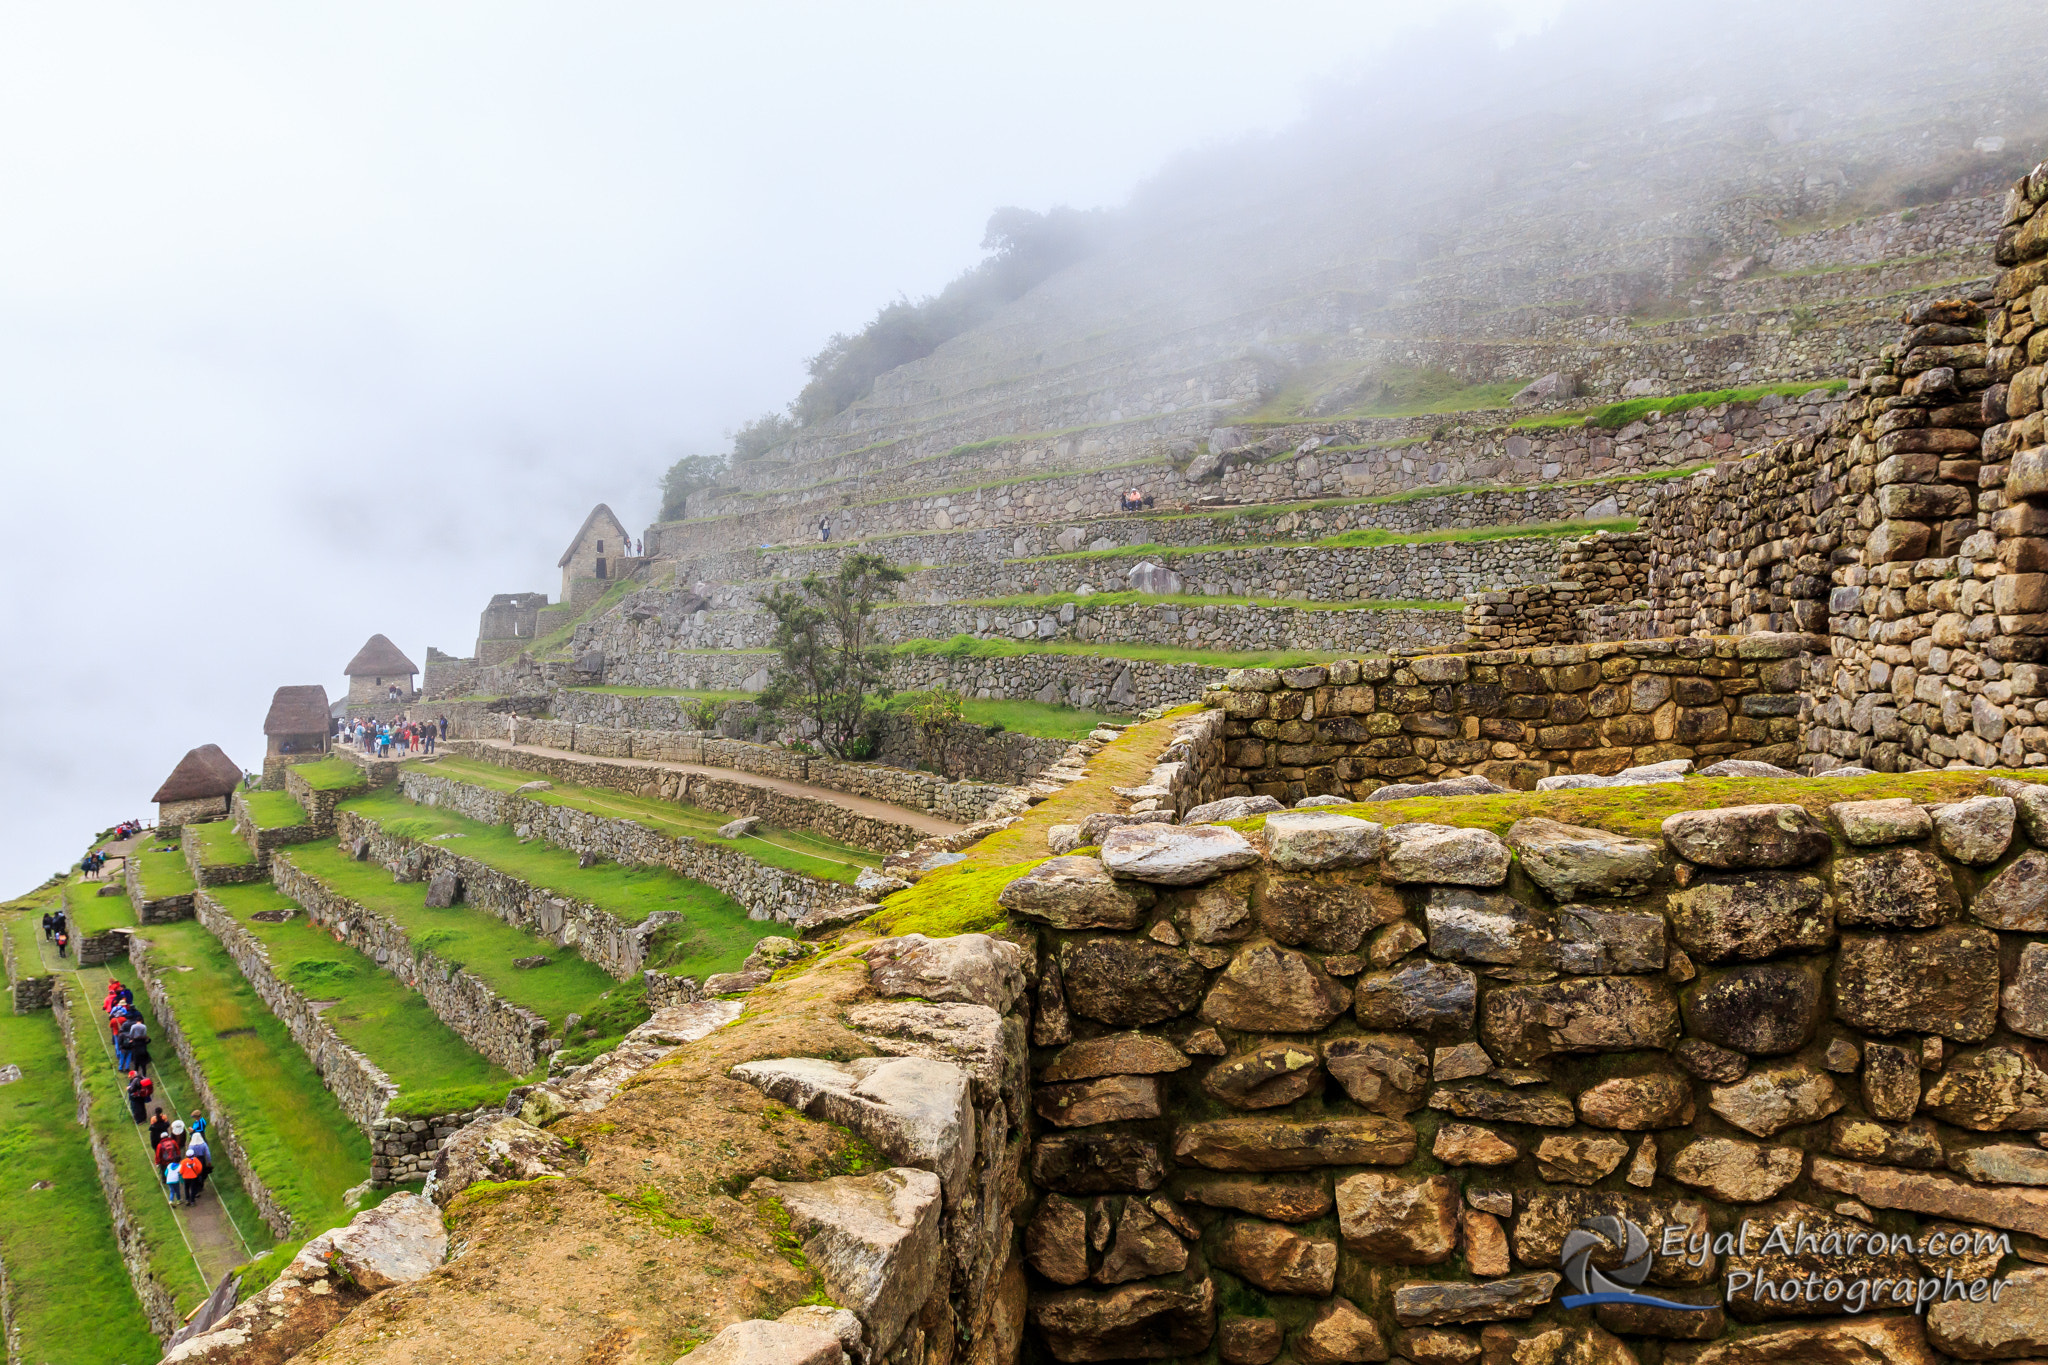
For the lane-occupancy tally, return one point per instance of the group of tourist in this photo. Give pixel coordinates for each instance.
(57, 930)
(1135, 500)
(91, 864)
(179, 1152)
(380, 738)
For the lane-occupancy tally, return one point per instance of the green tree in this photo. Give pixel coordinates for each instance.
(685, 477)
(935, 713)
(828, 664)
(760, 436)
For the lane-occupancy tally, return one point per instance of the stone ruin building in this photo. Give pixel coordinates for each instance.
(376, 668)
(197, 790)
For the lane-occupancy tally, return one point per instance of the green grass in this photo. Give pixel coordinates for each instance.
(473, 939)
(792, 849)
(91, 913)
(26, 929)
(1038, 718)
(1142, 599)
(73, 1304)
(969, 647)
(1614, 416)
(701, 695)
(274, 810)
(330, 775)
(558, 638)
(717, 934)
(302, 1145)
(1364, 536)
(163, 874)
(220, 845)
(1403, 392)
(374, 1012)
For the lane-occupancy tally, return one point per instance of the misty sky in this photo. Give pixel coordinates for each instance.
(319, 321)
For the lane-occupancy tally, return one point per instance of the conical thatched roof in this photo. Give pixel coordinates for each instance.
(206, 771)
(297, 711)
(379, 658)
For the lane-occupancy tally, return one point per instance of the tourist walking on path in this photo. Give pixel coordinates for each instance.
(159, 1128)
(139, 1089)
(63, 942)
(49, 926)
(191, 1170)
(138, 1047)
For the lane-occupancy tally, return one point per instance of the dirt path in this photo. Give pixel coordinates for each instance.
(215, 1243)
(859, 805)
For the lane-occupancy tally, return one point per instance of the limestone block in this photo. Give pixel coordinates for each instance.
(1445, 854)
(1077, 892)
(1125, 982)
(1313, 841)
(971, 969)
(1976, 831)
(1768, 1101)
(874, 1240)
(498, 1147)
(914, 1111)
(1743, 837)
(1175, 855)
(1736, 1172)
(1271, 989)
(1572, 861)
(1276, 1258)
(1753, 915)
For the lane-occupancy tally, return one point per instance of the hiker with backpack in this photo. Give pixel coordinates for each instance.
(194, 1169)
(137, 1039)
(140, 1088)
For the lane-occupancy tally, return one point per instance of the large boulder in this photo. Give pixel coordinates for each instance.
(395, 1243)
(1555, 387)
(1273, 990)
(1154, 579)
(1572, 861)
(1077, 892)
(1446, 855)
(1738, 838)
(1175, 855)
(1129, 982)
(914, 1111)
(972, 969)
(873, 1239)
(1231, 808)
(498, 1147)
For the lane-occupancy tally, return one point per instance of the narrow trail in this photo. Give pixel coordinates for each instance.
(216, 1243)
(859, 805)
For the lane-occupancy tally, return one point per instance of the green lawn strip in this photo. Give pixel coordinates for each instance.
(1614, 416)
(26, 930)
(971, 647)
(1042, 719)
(274, 810)
(477, 941)
(72, 1300)
(793, 849)
(221, 846)
(559, 636)
(330, 774)
(698, 693)
(374, 1011)
(1365, 536)
(1142, 599)
(163, 872)
(301, 1144)
(716, 937)
(88, 912)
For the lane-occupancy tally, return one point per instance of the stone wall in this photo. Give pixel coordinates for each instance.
(402, 1146)
(157, 1304)
(1357, 1097)
(161, 910)
(767, 892)
(319, 803)
(1603, 595)
(164, 1027)
(28, 985)
(962, 800)
(513, 1037)
(597, 935)
(1514, 715)
(94, 950)
(215, 874)
(262, 841)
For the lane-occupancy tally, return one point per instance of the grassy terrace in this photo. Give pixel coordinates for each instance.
(559, 637)
(72, 1303)
(480, 942)
(795, 850)
(1024, 717)
(715, 934)
(91, 913)
(1365, 537)
(329, 775)
(1393, 393)
(1141, 599)
(301, 1144)
(163, 873)
(274, 810)
(1614, 416)
(700, 695)
(970, 647)
(220, 845)
(373, 1011)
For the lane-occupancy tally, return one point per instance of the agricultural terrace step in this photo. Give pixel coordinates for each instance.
(99, 924)
(69, 1298)
(296, 1152)
(377, 1046)
(621, 920)
(700, 800)
(767, 892)
(473, 988)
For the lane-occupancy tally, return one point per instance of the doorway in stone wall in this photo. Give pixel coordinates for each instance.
(600, 568)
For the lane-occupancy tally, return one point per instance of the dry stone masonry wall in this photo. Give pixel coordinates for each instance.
(1361, 1093)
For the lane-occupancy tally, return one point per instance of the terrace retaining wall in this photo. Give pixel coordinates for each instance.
(510, 1035)
(602, 938)
(162, 909)
(766, 892)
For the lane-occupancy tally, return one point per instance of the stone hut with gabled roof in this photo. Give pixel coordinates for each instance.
(197, 790)
(377, 668)
(598, 555)
(295, 730)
